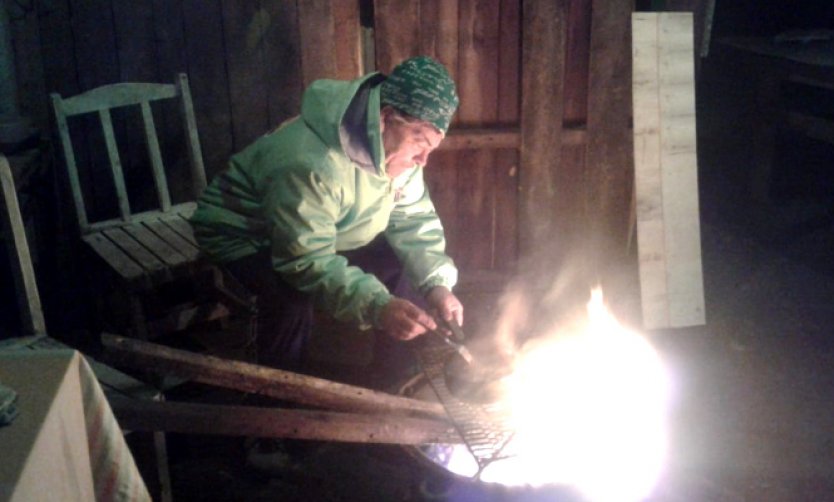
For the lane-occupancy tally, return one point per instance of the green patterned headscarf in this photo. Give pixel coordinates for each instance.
(422, 88)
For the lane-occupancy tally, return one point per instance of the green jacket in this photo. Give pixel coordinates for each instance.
(298, 193)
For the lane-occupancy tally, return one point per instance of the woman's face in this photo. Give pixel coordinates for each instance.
(406, 141)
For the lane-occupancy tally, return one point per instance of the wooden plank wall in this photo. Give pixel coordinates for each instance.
(242, 58)
(474, 189)
(556, 74)
(539, 156)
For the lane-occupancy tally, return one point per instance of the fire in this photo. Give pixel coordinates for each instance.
(589, 406)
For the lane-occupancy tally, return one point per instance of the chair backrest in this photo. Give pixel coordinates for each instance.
(29, 300)
(101, 100)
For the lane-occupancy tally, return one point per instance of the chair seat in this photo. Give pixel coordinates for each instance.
(153, 248)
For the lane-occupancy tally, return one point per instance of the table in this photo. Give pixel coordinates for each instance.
(65, 444)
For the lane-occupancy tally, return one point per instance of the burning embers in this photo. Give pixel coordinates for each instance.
(588, 407)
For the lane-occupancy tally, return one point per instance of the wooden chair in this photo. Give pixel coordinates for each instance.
(148, 249)
(33, 324)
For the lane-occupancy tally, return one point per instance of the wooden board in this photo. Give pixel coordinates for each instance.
(438, 37)
(282, 53)
(397, 24)
(118, 261)
(505, 225)
(134, 31)
(666, 178)
(578, 38)
(347, 39)
(170, 59)
(174, 239)
(244, 25)
(150, 241)
(96, 64)
(317, 31)
(209, 80)
(279, 384)
(23, 272)
(190, 418)
(609, 148)
(542, 96)
(478, 34)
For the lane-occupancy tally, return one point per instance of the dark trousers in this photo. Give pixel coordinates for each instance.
(285, 315)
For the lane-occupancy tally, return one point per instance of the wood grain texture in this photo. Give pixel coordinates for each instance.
(439, 38)
(294, 387)
(203, 26)
(577, 49)
(542, 97)
(170, 56)
(97, 64)
(347, 39)
(282, 55)
(666, 183)
(609, 148)
(191, 418)
(397, 24)
(137, 252)
(243, 30)
(317, 31)
(505, 225)
(478, 38)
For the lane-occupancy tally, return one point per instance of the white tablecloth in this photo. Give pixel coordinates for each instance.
(65, 443)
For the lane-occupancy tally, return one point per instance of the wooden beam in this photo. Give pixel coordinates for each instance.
(609, 147)
(191, 418)
(666, 171)
(257, 379)
(471, 139)
(542, 72)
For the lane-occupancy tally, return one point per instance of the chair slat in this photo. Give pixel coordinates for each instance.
(116, 258)
(116, 95)
(182, 227)
(69, 158)
(157, 246)
(140, 255)
(115, 163)
(195, 156)
(173, 239)
(184, 210)
(156, 158)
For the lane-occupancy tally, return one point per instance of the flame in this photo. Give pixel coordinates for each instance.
(589, 406)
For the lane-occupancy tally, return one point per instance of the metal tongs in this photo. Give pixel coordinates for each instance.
(456, 339)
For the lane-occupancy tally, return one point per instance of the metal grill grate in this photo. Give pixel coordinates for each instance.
(484, 428)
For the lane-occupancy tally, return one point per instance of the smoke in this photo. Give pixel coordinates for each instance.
(545, 300)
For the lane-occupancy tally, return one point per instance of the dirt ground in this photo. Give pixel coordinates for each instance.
(753, 417)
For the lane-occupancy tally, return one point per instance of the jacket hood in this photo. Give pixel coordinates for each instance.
(326, 102)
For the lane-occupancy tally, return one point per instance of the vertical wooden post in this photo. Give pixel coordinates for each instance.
(542, 75)
(609, 147)
(666, 178)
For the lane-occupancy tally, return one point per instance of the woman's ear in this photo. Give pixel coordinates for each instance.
(384, 114)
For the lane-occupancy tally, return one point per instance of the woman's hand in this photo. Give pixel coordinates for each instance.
(403, 320)
(447, 305)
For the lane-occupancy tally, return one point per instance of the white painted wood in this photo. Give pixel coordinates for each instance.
(29, 300)
(666, 170)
